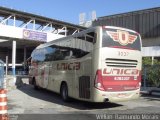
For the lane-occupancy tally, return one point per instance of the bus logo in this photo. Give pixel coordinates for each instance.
(123, 37)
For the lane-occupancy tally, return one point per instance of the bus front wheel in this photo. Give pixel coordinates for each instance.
(64, 92)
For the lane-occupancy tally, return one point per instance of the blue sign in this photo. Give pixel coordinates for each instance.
(33, 35)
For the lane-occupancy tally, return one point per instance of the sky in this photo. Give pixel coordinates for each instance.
(69, 10)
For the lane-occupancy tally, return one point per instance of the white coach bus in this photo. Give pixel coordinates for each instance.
(99, 64)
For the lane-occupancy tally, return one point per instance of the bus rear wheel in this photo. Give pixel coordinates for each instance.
(64, 92)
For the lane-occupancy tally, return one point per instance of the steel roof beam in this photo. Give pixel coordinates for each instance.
(5, 20)
(36, 20)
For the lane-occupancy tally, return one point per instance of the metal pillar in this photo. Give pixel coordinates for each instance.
(24, 57)
(6, 65)
(14, 58)
(152, 60)
(145, 75)
(14, 21)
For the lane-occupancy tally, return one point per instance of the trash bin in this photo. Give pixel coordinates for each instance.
(1, 73)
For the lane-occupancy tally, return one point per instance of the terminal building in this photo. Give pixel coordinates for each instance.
(21, 32)
(146, 22)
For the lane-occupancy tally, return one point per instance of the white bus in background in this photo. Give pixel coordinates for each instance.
(99, 64)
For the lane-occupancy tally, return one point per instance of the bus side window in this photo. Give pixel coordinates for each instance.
(62, 53)
(91, 37)
(35, 55)
(69, 55)
(77, 53)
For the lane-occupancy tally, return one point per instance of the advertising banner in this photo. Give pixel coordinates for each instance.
(33, 35)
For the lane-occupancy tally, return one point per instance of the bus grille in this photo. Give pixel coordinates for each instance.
(84, 87)
(121, 62)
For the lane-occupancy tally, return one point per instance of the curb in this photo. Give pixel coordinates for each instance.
(156, 93)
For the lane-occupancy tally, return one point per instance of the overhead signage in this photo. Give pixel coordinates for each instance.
(33, 35)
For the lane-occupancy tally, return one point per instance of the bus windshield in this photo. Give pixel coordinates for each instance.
(116, 38)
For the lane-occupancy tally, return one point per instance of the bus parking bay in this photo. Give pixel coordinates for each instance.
(26, 100)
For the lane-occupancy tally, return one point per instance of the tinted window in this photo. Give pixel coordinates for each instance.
(38, 55)
(120, 39)
(54, 53)
(77, 53)
(58, 53)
